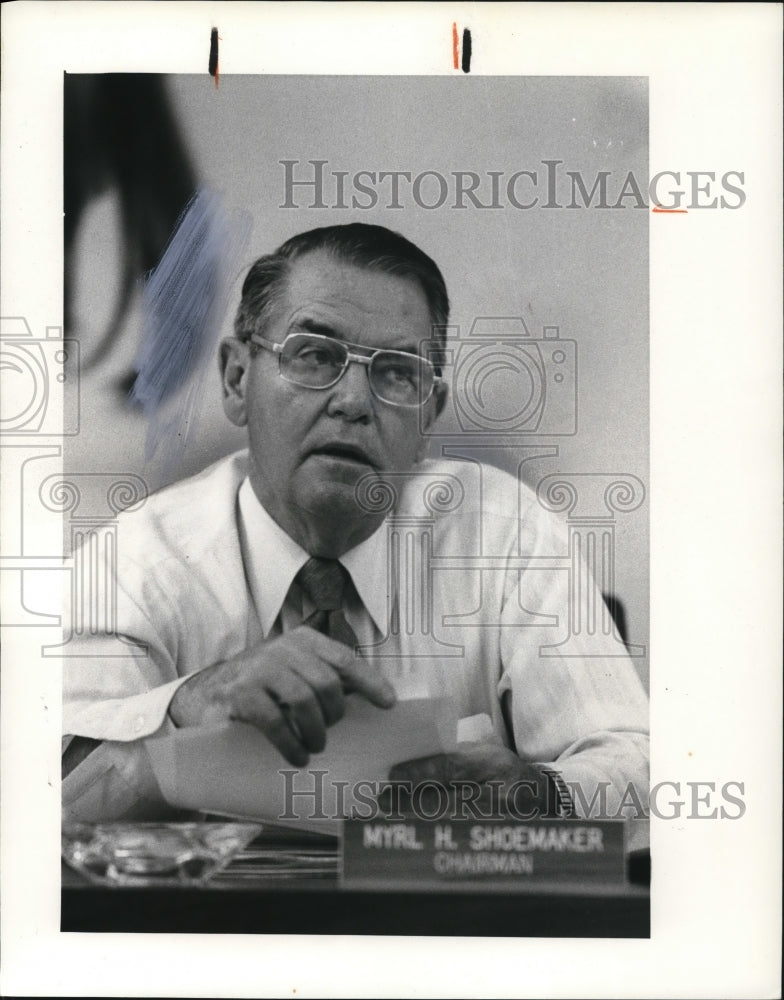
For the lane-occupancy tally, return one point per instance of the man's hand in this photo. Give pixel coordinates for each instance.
(491, 778)
(292, 688)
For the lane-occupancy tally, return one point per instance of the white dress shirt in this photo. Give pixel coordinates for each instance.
(203, 572)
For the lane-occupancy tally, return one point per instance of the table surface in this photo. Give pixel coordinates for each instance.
(257, 900)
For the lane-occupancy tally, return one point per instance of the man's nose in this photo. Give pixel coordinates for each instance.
(352, 398)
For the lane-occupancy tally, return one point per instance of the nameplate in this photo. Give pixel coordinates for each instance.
(510, 851)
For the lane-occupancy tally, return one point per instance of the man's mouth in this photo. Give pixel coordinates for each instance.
(345, 453)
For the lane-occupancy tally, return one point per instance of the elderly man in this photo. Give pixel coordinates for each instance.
(258, 590)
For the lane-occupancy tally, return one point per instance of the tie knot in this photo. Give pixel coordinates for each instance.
(323, 581)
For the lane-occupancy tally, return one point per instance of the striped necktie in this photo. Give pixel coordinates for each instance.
(323, 581)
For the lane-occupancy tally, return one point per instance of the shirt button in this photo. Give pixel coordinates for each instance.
(138, 724)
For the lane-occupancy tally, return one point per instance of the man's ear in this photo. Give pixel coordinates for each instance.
(433, 410)
(234, 360)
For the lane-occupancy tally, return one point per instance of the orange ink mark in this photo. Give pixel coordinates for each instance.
(455, 43)
(677, 211)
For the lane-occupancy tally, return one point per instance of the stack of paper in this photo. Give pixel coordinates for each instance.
(233, 769)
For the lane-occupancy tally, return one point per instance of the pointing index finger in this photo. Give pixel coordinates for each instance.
(363, 677)
(356, 673)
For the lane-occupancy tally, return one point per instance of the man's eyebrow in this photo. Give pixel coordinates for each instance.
(314, 326)
(309, 325)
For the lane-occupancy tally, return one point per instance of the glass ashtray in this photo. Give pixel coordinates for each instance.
(151, 854)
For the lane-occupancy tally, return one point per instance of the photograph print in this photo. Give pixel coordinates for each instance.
(354, 504)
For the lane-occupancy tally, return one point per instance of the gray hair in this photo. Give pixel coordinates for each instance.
(373, 247)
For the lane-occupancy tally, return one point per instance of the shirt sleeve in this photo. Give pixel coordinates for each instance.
(576, 711)
(117, 685)
(118, 682)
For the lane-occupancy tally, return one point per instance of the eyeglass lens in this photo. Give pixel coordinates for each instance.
(317, 362)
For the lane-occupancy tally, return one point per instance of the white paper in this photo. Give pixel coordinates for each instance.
(234, 769)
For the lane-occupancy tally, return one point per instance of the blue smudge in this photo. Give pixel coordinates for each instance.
(183, 304)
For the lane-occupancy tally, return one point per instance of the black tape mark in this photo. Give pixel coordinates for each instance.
(213, 63)
(466, 60)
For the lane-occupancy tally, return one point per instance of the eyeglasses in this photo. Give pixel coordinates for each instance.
(318, 362)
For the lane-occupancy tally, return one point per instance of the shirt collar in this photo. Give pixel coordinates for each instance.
(272, 560)
(367, 566)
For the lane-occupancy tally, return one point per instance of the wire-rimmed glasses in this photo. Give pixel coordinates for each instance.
(318, 362)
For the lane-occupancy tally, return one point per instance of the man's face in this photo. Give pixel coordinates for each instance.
(309, 447)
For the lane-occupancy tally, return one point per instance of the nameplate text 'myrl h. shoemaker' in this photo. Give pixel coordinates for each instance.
(508, 852)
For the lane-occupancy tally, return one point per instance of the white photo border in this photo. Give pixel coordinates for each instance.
(715, 101)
